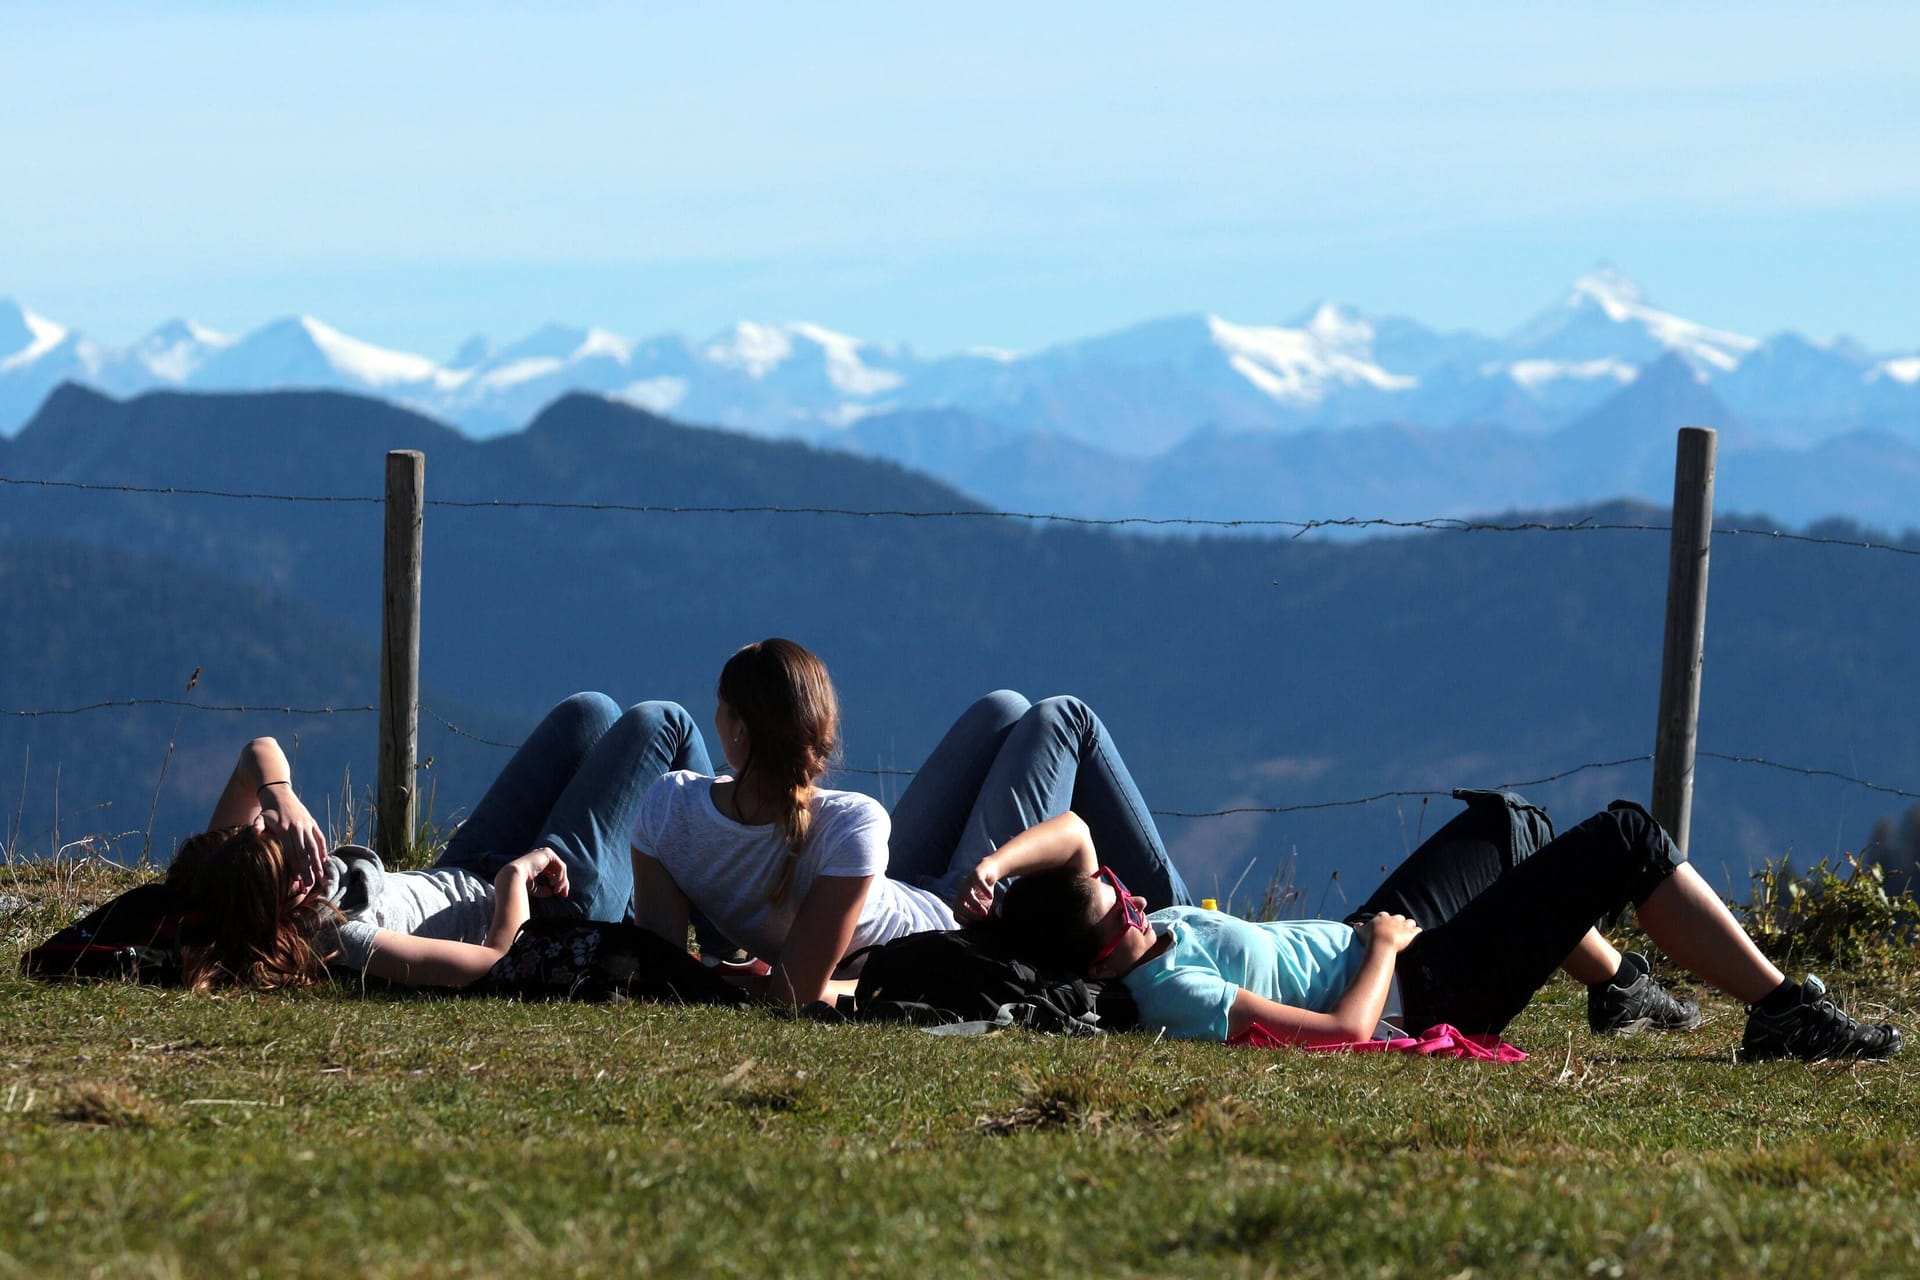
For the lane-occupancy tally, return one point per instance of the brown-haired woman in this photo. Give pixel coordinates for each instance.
(800, 875)
(278, 909)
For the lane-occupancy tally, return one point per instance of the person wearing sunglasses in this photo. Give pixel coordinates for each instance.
(1496, 928)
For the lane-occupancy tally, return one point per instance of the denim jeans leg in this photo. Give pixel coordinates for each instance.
(930, 818)
(1059, 757)
(507, 821)
(591, 823)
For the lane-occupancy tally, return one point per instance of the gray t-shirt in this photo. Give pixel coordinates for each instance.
(726, 868)
(440, 902)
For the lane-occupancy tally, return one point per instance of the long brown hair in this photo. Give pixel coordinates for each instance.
(249, 934)
(783, 695)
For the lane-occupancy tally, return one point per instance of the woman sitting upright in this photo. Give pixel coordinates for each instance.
(802, 876)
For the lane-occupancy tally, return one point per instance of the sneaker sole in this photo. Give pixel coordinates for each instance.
(1641, 1025)
(1744, 1055)
(1632, 1028)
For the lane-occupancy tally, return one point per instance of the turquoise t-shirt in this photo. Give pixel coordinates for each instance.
(1188, 988)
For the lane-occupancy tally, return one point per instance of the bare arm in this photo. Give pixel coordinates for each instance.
(1355, 1014)
(260, 790)
(659, 905)
(1058, 842)
(822, 928)
(442, 962)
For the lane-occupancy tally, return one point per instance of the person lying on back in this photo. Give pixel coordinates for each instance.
(1203, 974)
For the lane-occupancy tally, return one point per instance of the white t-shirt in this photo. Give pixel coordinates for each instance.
(440, 902)
(727, 868)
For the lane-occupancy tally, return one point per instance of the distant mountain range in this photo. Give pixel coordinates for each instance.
(1135, 393)
(1233, 672)
(1621, 448)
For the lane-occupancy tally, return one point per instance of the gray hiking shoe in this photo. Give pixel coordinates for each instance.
(1640, 1005)
(1814, 1030)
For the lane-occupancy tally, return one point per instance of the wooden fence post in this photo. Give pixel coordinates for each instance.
(1684, 652)
(400, 653)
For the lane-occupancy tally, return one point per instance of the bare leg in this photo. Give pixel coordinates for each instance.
(1694, 927)
(1593, 960)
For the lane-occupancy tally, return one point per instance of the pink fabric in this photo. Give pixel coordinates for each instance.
(1442, 1040)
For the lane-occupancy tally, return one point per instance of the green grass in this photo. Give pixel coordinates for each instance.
(148, 1132)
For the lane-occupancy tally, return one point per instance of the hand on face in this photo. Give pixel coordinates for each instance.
(285, 817)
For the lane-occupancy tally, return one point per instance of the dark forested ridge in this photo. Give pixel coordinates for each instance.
(91, 624)
(1233, 671)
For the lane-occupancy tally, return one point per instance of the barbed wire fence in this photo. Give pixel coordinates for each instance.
(1298, 528)
(399, 717)
(1408, 793)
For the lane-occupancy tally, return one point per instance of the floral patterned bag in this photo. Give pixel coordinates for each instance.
(554, 958)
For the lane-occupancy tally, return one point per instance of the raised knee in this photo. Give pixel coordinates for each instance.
(998, 709)
(1066, 709)
(588, 707)
(661, 712)
(1647, 849)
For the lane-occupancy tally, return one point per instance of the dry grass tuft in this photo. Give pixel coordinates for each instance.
(108, 1106)
(1053, 1098)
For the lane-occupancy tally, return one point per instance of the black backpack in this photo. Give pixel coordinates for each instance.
(132, 938)
(973, 975)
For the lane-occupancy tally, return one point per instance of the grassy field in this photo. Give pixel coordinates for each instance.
(147, 1132)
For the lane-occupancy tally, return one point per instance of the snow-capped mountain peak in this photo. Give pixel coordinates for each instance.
(26, 335)
(367, 364)
(1606, 316)
(1341, 328)
(1904, 369)
(301, 351)
(1138, 389)
(754, 349)
(1300, 366)
(559, 342)
(760, 350)
(175, 350)
(603, 342)
(1610, 289)
(847, 368)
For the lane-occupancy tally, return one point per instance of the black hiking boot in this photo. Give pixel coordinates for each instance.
(1640, 1005)
(1814, 1030)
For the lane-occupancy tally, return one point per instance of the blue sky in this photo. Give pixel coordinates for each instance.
(1003, 175)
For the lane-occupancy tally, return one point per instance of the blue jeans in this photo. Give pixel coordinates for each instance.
(1006, 765)
(575, 786)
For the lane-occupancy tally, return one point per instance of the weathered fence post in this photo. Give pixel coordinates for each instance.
(400, 653)
(1680, 663)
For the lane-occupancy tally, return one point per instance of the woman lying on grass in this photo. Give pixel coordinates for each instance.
(279, 909)
(801, 876)
(1494, 932)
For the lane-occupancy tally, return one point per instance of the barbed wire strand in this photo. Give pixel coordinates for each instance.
(1431, 524)
(242, 708)
(457, 731)
(1395, 795)
(184, 704)
(1811, 773)
(186, 492)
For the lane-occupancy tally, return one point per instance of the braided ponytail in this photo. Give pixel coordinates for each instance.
(783, 695)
